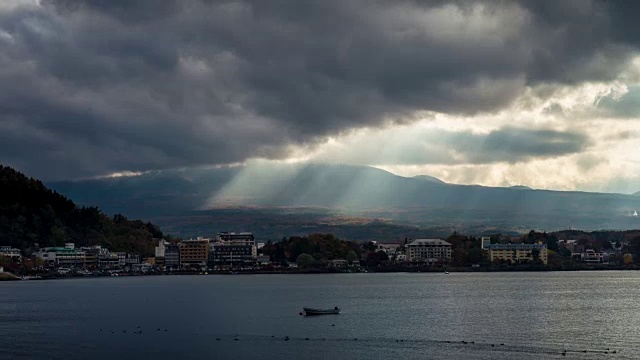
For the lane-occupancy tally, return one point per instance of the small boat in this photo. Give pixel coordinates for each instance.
(311, 311)
(446, 272)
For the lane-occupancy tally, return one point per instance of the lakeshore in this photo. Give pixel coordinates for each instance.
(236, 253)
(397, 270)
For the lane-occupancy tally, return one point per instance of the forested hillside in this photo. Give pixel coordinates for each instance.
(30, 214)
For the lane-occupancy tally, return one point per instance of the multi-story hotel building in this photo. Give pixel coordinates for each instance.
(515, 253)
(233, 250)
(193, 252)
(428, 251)
(62, 256)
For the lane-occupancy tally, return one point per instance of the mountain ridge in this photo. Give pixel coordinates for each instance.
(353, 190)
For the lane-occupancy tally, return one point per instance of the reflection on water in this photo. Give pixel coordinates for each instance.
(472, 316)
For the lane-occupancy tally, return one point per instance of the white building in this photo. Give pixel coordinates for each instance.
(485, 242)
(160, 249)
(389, 248)
(12, 253)
(591, 256)
(428, 251)
(62, 256)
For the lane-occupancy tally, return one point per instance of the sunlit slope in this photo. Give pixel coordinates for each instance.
(365, 190)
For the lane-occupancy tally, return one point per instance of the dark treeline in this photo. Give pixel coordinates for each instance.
(320, 247)
(30, 214)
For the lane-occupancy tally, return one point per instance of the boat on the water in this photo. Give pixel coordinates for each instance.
(312, 311)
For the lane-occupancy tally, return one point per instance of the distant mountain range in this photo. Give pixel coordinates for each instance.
(354, 191)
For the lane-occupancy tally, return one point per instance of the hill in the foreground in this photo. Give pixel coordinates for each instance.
(31, 213)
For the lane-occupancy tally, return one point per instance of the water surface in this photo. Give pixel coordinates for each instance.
(506, 315)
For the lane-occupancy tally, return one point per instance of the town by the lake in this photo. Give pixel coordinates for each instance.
(241, 252)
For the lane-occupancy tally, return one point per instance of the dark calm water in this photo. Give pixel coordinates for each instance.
(535, 316)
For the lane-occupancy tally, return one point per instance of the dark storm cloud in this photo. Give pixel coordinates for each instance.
(101, 86)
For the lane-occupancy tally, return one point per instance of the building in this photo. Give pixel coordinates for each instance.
(12, 253)
(233, 250)
(517, 253)
(122, 258)
(193, 252)
(400, 257)
(263, 260)
(160, 252)
(62, 256)
(132, 259)
(91, 255)
(242, 238)
(591, 256)
(160, 249)
(485, 242)
(159, 261)
(171, 256)
(428, 251)
(227, 255)
(236, 238)
(568, 244)
(389, 248)
(108, 260)
(339, 263)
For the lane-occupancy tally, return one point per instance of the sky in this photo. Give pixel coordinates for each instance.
(538, 93)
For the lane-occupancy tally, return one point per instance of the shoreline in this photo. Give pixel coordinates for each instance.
(12, 277)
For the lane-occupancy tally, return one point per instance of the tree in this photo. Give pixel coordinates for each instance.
(351, 257)
(375, 258)
(6, 262)
(535, 254)
(382, 256)
(305, 260)
(370, 246)
(475, 255)
(58, 236)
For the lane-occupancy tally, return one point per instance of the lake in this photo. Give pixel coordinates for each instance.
(533, 315)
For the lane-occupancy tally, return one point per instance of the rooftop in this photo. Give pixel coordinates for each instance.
(517, 246)
(199, 239)
(60, 249)
(428, 242)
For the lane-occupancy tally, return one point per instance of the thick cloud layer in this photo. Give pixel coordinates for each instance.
(95, 87)
(409, 146)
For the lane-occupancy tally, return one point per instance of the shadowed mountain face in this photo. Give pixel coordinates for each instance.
(354, 190)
